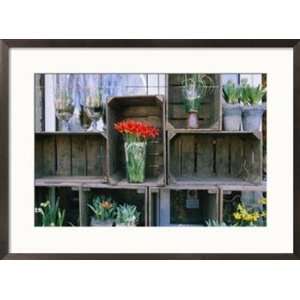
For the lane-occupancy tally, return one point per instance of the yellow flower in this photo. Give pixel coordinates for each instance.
(237, 215)
(263, 201)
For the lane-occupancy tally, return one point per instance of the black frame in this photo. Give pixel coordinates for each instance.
(5, 45)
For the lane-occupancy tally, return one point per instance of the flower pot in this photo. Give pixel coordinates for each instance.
(106, 223)
(135, 154)
(252, 116)
(192, 121)
(125, 225)
(232, 117)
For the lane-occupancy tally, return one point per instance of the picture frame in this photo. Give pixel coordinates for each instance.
(7, 45)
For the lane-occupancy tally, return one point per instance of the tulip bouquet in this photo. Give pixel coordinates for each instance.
(136, 134)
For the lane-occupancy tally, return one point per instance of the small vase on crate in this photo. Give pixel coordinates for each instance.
(195, 88)
(136, 134)
(104, 211)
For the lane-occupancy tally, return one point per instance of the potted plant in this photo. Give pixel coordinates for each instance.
(104, 211)
(136, 134)
(245, 216)
(232, 111)
(51, 214)
(127, 215)
(253, 108)
(195, 88)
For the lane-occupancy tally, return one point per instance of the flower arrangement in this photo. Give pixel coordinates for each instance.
(195, 88)
(247, 217)
(51, 214)
(135, 131)
(104, 211)
(136, 134)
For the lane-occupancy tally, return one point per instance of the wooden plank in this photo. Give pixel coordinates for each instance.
(205, 159)
(222, 155)
(253, 160)
(175, 156)
(38, 96)
(78, 156)
(177, 111)
(63, 154)
(38, 154)
(95, 159)
(83, 215)
(237, 158)
(187, 155)
(141, 111)
(49, 156)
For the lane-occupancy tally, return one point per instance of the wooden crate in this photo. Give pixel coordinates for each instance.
(70, 158)
(183, 205)
(68, 200)
(134, 195)
(231, 194)
(214, 157)
(140, 108)
(209, 113)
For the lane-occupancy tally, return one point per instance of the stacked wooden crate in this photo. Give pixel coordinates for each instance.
(207, 163)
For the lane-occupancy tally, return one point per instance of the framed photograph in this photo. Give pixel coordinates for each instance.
(149, 149)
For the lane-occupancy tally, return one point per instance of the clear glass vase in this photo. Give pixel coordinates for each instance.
(93, 105)
(135, 154)
(64, 104)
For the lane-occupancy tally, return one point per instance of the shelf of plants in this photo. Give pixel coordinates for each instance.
(188, 205)
(116, 205)
(141, 110)
(57, 206)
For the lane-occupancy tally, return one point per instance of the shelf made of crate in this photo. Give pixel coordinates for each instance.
(183, 205)
(140, 108)
(132, 195)
(209, 114)
(219, 157)
(67, 199)
(248, 195)
(70, 157)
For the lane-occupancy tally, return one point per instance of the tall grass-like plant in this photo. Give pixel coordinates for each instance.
(127, 215)
(51, 214)
(195, 88)
(251, 95)
(231, 93)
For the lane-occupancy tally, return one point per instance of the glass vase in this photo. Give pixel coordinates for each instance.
(93, 105)
(64, 104)
(135, 155)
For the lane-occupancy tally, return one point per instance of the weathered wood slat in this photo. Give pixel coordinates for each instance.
(188, 155)
(38, 164)
(63, 149)
(236, 146)
(204, 156)
(78, 156)
(95, 163)
(49, 153)
(222, 155)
